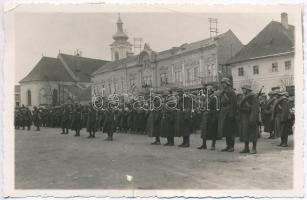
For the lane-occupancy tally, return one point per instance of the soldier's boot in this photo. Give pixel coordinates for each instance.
(66, 131)
(29, 128)
(183, 142)
(168, 141)
(227, 145)
(213, 145)
(246, 148)
(232, 144)
(63, 131)
(187, 142)
(171, 141)
(23, 128)
(285, 144)
(90, 135)
(76, 134)
(157, 141)
(204, 144)
(93, 134)
(281, 142)
(254, 149)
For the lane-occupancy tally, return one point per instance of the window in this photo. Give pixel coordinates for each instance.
(189, 75)
(178, 76)
(196, 73)
(255, 69)
(275, 67)
(29, 103)
(163, 79)
(288, 65)
(241, 71)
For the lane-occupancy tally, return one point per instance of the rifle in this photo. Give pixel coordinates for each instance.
(260, 91)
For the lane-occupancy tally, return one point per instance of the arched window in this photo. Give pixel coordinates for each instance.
(116, 55)
(29, 103)
(55, 97)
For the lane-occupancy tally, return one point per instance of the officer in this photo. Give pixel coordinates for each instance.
(249, 112)
(27, 118)
(209, 120)
(154, 122)
(227, 120)
(109, 125)
(167, 122)
(282, 118)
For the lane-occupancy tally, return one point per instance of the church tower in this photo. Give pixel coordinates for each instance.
(120, 48)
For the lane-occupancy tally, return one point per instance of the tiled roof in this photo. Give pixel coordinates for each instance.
(48, 69)
(82, 67)
(273, 39)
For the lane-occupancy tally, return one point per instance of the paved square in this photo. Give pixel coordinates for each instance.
(49, 160)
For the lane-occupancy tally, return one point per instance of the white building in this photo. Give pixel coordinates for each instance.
(267, 60)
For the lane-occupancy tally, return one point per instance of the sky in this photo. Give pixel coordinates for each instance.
(45, 34)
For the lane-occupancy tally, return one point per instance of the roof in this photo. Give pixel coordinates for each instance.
(53, 69)
(82, 67)
(114, 65)
(48, 69)
(273, 39)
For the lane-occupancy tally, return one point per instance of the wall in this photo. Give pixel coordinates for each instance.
(266, 77)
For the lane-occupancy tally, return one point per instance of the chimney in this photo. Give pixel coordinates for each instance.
(284, 20)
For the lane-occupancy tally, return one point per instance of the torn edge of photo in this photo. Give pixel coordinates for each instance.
(217, 88)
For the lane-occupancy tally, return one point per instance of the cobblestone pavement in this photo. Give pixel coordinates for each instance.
(49, 160)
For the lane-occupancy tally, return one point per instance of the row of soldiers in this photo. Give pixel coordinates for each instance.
(224, 115)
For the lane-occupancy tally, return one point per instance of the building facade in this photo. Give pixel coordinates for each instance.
(267, 60)
(54, 81)
(187, 66)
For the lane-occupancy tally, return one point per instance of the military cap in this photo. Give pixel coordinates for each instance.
(247, 87)
(226, 80)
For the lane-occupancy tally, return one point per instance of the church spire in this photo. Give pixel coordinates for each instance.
(120, 34)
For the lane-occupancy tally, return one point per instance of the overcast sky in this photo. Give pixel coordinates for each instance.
(45, 34)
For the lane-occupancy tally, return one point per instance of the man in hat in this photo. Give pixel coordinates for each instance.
(227, 120)
(76, 119)
(209, 120)
(92, 119)
(249, 112)
(281, 115)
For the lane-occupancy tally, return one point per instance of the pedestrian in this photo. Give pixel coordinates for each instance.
(249, 112)
(227, 120)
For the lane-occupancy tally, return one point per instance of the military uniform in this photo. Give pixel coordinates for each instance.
(227, 121)
(249, 112)
(153, 126)
(27, 118)
(65, 122)
(167, 124)
(282, 119)
(109, 125)
(209, 122)
(76, 120)
(268, 116)
(91, 124)
(36, 118)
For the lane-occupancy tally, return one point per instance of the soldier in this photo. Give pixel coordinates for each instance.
(123, 120)
(76, 119)
(153, 128)
(209, 120)
(282, 118)
(249, 112)
(18, 118)
(227, 121)
(268, 118)
(27, 118)
(109, 125)
(91, 124)
(65, 119)
(167, 124)
(36, 118)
